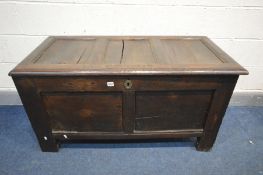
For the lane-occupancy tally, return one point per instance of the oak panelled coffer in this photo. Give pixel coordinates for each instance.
(91, 88)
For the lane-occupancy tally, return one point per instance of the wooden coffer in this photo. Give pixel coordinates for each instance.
(90, 88)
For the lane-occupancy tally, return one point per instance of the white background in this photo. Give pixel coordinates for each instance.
(235, 25)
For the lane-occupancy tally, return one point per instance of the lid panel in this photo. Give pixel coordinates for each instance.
(114, 51)
(128, 55)
(137, 52)
(190, 52)
(201, 53)
(95, 55)
(63, 52)
(162, 53)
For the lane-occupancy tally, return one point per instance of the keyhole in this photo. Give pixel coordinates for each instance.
(128, 84)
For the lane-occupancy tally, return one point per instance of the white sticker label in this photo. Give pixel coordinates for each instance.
(110, 83)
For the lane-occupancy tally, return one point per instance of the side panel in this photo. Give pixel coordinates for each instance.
(36, 113)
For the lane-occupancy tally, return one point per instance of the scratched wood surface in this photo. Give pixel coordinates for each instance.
(178, 87)
(129, 55)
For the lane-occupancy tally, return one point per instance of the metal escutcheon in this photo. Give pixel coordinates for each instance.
(128, 84)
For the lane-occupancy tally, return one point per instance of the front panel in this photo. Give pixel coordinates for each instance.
(83, 112)
(172, 110)
(91, 104)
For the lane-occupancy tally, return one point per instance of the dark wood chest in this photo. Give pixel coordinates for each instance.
(126, 88)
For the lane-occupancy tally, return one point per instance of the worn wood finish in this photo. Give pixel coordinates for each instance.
(37, 114)
(126, 56)
(171, 110)
(84, 111)
(216, 113)
(137, 87)
(135, 135)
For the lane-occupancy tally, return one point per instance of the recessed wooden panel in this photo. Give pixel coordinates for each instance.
(189, 52)
(97, 54)
(156, 111)
(84, 111)
(65, 52)
(114, 52)
(137, 51)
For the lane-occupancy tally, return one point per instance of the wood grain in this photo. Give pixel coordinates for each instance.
(63, 52)
(97, 54)
(171, 110)
(127, 55)
(137, 52)
(138, 87)
(37, 114)
(84, 111)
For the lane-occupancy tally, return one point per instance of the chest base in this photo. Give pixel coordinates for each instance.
(65, 108)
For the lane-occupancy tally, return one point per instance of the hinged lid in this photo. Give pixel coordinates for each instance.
(127, 56)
